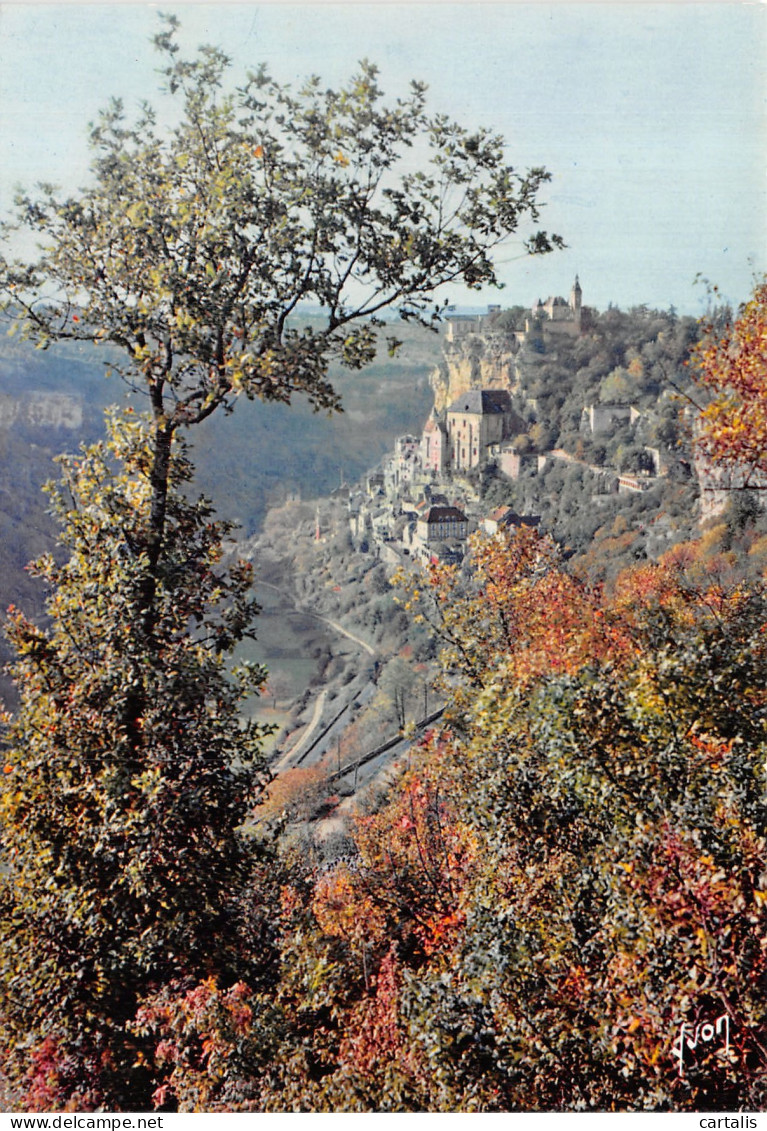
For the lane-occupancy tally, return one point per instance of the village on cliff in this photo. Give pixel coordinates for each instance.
(424, 501)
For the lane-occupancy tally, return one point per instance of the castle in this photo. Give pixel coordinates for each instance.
(481, 419)
(474, 421)
(556, 315)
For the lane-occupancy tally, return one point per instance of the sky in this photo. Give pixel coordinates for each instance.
(651, 118)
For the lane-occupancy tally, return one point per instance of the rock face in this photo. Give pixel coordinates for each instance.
(42, 410)
(474, 362)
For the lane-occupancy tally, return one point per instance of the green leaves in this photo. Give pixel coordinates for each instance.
(132, 772)
(190, 254)
(191, 249)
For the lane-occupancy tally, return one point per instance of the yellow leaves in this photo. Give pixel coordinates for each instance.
(137, 212)
(340, 159)
(734, 366)
(345, 910)
(656, 1053)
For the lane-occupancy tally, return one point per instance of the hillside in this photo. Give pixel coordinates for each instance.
(52, 400)
(513, 836)
(333, 563)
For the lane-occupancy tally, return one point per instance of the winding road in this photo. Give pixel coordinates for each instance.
(318, 616)
(314, 722)
(344, 632)
(289, 755)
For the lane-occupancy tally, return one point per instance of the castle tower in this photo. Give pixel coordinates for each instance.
(576, 298)
(576, 295)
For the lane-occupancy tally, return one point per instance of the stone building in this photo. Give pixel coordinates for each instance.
(600, 419)
(434, 446)
(442, 524)
(512, 462)
(555, 316)
(460, 325)
(405, 465)
(504, 518)
(475, 420)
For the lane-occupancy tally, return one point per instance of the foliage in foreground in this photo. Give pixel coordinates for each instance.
(572, 869)
(129, 775)
(562, 904)
(732, 363)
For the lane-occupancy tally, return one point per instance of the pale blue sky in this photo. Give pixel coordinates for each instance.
(651, 117)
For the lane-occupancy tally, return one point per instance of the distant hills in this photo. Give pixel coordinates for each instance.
(52, 400)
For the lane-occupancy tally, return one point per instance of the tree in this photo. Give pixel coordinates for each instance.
(129, 773)
(190, 253)
(568, 878)
(576, 871)
(731, 363)
(397, 684)
(616, 387)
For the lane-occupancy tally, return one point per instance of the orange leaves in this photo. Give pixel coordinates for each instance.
(733, 365)
(550, 622)
(508, 564)
(295, 793)
(441, 930)
(415, 858)
(714, 749)
(345, 910)
(565, 627)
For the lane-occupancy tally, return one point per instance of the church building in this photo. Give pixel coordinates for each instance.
(475, 420)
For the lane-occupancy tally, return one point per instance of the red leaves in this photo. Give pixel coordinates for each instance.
(374, 1035)
(415, 857)
(198, 1032)
(61, 1080)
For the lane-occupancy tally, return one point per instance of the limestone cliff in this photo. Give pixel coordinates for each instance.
(473, 362)
(42, 410)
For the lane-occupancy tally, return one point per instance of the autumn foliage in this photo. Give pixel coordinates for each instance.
(139, 944)
(567, 883)
(567, 887)
(732, 367)
(559, 905)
